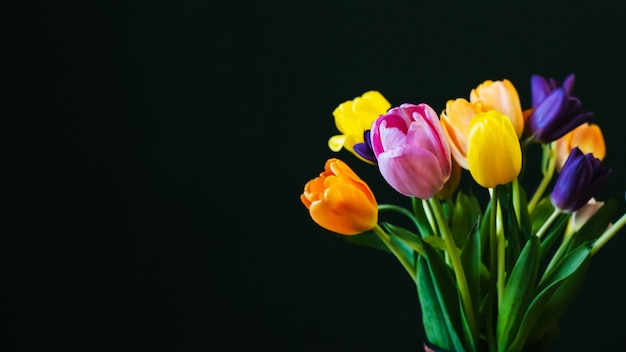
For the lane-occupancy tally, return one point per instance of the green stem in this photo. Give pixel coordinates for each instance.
(546, 225)
(493, 264)
(456, 264)
(501, 254)
(400, 210)
(550, 153)
(429, 215)
(517, 205)
(557, 255)
(396, 251)
(608, 234)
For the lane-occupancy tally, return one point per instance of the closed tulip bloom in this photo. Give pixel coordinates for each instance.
(339, 201)
(541, 87)
(494, 154)
(555, 110)
(455, 120)
(353, 117)
(501, 96)
(412, 150)
(581, 177)
(587, 137)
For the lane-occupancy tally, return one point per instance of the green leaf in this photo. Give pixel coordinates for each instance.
(436, 242)
(404, 238)
(471, 261)
(518, 292)
(366, 239)
(569, 266)
(407, 250)
(541, 213)
(447, 296)
(422, 220)
(509, 223)
(525, 222)
(556, 231)
(485, 233)
(433, 319)
(556, 306)
(464, 215)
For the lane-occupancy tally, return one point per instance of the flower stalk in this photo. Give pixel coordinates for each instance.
(408, 266)
(476, 268)
(451, 249)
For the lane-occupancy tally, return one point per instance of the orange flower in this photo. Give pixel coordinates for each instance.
(339, 201)
(455, 120)
(500, 96)
(587, 137)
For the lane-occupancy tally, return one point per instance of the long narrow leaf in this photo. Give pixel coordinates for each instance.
(471, 261)
(568, 267)
(561, 299)
(518, 292)
(447, 296)
(433, 318)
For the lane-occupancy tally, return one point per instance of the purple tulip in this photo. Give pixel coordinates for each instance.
(365, 149)
(555, 111)
(412, 150)
(541, 87)
(581, 177)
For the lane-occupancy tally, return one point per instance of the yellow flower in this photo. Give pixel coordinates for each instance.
(494, 155)
(587, 137)
(353, 117)
(500, 96)
(455, 120)
(339, 201)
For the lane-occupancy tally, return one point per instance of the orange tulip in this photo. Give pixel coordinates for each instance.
(339, 201)
(500, 96)
(587, 137)
(455, 120)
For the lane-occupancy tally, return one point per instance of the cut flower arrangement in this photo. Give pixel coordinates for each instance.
(496, 276)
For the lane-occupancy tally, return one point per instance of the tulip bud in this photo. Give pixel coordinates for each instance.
(455, 120)
(494, 154)
(581, 177)
(587, 137)
(500, 96)
(412, 150)
(555, 111)
(353, 117)
(339, 201)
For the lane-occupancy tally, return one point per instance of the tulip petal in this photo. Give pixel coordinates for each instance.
(539, 89)
(412, 171)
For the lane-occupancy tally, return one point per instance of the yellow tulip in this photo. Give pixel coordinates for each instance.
(587, 137)
(339, 201)
(353, 117)
(501, 96)
(455, 120)
(494, 155)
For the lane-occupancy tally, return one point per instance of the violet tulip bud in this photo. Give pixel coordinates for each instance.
(555, 111)
(412, 150)
(581, 177)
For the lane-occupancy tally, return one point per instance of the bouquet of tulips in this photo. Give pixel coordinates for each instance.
(489, 277)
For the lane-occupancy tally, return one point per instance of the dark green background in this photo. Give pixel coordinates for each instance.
(155, 153)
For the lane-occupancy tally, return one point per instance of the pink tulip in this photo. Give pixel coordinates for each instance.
(412, 150)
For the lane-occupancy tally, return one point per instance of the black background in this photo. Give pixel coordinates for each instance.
(155, 153)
